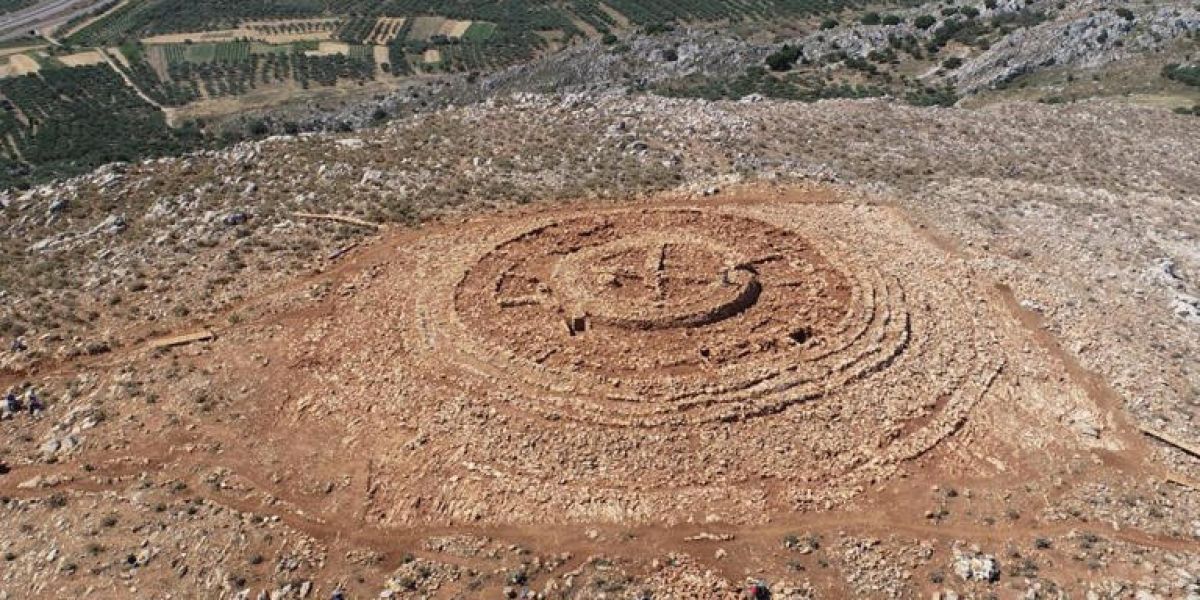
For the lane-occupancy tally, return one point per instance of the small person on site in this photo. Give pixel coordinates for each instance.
(35, 404)
(12, 404)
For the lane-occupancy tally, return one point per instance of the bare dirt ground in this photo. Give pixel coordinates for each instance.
(23, 64)
(330, 49)
(382, 55)
(454, 29)
(931, 380)
(90, 57)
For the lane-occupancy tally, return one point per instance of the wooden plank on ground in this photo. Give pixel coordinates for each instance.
(337, 218)
(342, 251)
(182, 340)
(1172, 440)
(1182, 481)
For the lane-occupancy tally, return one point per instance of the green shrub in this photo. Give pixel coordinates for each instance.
(925, 21)
(784, 58)
(932, 97)
(1185, 74)
(656, 28)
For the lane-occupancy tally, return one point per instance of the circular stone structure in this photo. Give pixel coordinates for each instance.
(660, 317)
(649, 282)
(642, 362)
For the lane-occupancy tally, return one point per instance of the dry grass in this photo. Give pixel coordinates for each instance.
(330, 49)
(79, 59)
(454, 29)
(425, 27)
(23, 64)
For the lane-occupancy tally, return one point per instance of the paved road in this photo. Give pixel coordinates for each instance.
(16, 24)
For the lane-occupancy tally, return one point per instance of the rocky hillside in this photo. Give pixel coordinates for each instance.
(1089, 37)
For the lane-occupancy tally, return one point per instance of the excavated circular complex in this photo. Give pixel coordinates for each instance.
(670, 316)
(637, 359)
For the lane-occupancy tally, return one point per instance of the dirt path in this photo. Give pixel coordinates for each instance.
(168, 112)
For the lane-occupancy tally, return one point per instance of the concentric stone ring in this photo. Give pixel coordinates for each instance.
(669, 316)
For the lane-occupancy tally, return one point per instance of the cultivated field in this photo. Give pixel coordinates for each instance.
(424, 28)
(293, 30)
(454, 29)
(330, 49)
(224, 35)
(386, 29)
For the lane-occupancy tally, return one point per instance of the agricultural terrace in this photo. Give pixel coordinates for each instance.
(151, 17)
(176, 52)
(176, 74)
(176, 69)
(69, 120)
(37, 60)
(511, 31)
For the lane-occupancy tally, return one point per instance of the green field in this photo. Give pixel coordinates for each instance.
(46, 62)
(479, 32)
(228, 52)
(223, 52)
(263, 49)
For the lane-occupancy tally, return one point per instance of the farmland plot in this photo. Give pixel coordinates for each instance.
(424, 28)
(77, 118)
